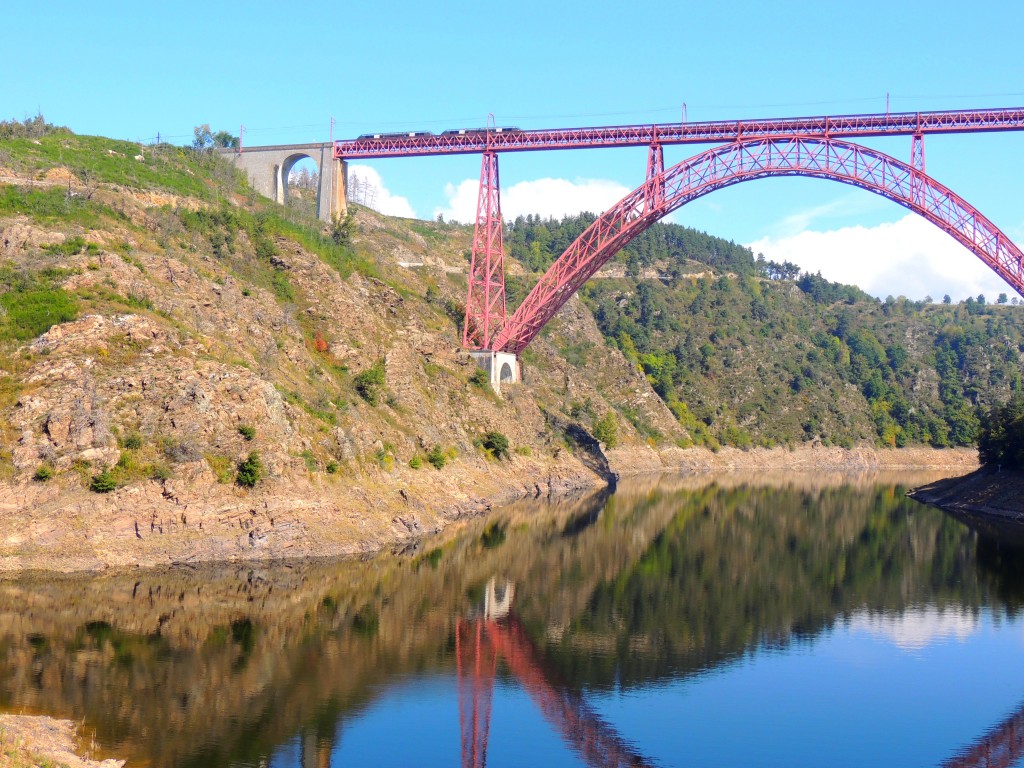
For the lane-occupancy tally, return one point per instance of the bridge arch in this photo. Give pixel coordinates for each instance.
(268, 168)
(741, 161)
(284, 170)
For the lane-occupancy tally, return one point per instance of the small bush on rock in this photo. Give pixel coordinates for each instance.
(436, 457)
(370, 383)
(496, 444)
(104, 482)
(250, 470)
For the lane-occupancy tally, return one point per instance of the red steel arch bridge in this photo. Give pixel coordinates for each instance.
(743, 150)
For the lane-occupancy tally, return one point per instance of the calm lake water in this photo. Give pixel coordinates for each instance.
(794, 621)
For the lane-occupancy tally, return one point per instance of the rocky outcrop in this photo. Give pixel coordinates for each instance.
(187, 357)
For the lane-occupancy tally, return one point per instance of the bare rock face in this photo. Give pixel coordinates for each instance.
(20, 237)
(187, 359)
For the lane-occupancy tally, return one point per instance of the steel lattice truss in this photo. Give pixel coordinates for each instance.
(743, 161)
(473, 141)
(485, 301)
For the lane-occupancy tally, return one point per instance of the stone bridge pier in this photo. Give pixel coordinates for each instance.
(268, 169)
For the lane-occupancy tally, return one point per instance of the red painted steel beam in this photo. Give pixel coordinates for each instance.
(485, 297)
(744, 161)
(474, 141)
(1001, 747)
(594, 740)
(475, 665)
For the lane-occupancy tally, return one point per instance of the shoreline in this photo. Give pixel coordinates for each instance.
(984, 494)
(40, 740)
(188, 522)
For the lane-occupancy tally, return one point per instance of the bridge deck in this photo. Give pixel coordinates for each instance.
(475, 141)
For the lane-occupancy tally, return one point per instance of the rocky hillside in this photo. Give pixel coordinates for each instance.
(189, 372)
(161, 325)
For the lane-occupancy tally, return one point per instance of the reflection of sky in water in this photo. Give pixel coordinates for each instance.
(910, 689)
(918, 627)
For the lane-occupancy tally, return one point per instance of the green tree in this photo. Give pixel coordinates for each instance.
(203, 138)
(1001, 434)
(370, 383)
(250, 470)
(606, 430)
(225, 140)
(104, 482)
(496, 444)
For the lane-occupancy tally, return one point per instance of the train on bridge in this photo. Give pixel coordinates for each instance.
(452, 132)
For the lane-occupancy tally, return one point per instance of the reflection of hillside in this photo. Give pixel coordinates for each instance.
(662, 578)
(737, 568)
(221, 660)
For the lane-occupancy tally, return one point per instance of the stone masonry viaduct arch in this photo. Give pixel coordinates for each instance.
(268, 167)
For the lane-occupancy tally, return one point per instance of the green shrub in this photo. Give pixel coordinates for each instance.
(436, 457)
(416, 462)
(310, 461)
(250, 470)
(43, 473)
(479, 378)
(370, 383)
(160, 472)
(247, 431)
(385, 457)
(283, 287)
(606, 430)
(104, 482)
(332, 467)
(496, 444)
(133, 442)
(69, 247)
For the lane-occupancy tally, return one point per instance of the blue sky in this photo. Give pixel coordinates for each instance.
(131, 70)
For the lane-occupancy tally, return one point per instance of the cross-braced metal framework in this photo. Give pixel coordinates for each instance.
(510, 139)
(485, 301)
(744, 161)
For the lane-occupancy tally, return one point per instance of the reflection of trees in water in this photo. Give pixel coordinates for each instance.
(739, 568)
(228, 663)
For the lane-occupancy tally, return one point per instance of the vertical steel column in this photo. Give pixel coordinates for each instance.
(917, 183)
(655, 167)
(485, 300)
(475, 666)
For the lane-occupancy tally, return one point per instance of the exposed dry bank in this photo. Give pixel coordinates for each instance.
(984, 493)
(28, 741)
(198, 519)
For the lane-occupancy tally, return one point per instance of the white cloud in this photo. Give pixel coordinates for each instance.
(547, 197)
(845, 206)
(917, 628)
(910, 257)
(366, 186)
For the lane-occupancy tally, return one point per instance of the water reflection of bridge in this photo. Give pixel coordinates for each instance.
(496, 632)
(288, 655)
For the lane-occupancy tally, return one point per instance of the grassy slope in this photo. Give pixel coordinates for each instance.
(264, 294)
